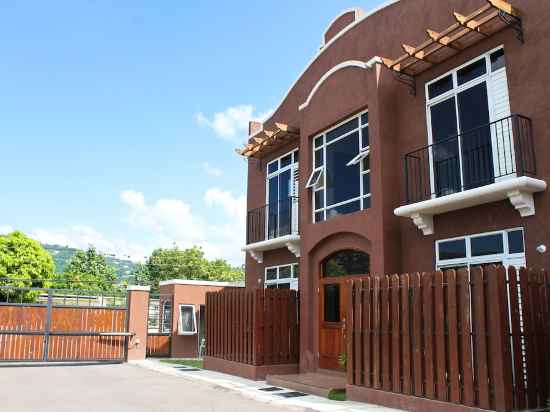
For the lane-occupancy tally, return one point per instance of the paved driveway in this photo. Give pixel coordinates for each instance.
(117, 388)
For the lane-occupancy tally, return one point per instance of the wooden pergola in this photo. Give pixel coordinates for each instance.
(269, 140)
(468, 30)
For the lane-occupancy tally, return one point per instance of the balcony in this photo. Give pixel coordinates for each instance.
(493, 162)
(273, 226)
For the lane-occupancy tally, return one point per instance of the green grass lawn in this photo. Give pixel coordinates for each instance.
(337, 395)
(193, 363)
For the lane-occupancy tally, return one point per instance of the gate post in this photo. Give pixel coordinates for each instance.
(138, 308)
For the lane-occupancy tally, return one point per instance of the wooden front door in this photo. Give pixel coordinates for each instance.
(336, 270)
(333, 303)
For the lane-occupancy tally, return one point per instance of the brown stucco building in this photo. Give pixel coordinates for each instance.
(183, 304)
(376, 163)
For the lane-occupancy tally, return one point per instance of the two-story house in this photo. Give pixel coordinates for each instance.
(416, 138)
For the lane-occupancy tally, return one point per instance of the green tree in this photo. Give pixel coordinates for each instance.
(175, 263)
(140, 274)
(89, 270)
(23, 263)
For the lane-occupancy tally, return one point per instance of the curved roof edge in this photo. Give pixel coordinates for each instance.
(358, 13)
(339, 66)
(326, 46)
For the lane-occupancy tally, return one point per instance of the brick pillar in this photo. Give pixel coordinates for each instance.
(138, 311)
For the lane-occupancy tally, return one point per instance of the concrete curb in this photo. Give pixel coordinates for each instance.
(249, 390)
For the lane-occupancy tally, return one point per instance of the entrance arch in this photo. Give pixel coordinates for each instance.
(336, 269)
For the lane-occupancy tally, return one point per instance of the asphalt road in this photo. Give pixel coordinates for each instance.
(118, 388)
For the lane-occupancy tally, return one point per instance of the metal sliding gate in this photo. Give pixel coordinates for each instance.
(53, 325)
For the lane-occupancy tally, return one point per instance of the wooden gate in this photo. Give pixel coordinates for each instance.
(49, 325)
(159, 326)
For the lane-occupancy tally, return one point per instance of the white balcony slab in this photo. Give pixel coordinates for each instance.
(519, 190)
(256, 250)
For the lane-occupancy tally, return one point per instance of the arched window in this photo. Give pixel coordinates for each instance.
(346, 263)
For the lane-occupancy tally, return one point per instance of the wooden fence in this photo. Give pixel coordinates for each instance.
(258, 327)
(159, 345)
(478, 338)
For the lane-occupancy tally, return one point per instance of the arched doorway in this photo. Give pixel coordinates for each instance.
(336, 269)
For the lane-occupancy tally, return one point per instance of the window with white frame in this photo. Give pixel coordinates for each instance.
(340, 179)
(282, 277)
(166, 317)
(281, 189)
(188, 320)
(505, 247)
(469, 131)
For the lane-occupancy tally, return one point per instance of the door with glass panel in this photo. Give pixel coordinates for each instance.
(336, 270)
(460, 110)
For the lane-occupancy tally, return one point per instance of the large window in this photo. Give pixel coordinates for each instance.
(341, 169)
(188, 320)
(468, 149)
(282, 277)
(281, 189)
(504, 247)
(346, 263)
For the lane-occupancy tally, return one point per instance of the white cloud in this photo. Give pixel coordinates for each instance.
(212, 170)
(5, 229)
(82, 236)
(234, 207)
(219, 227)
(232, 123)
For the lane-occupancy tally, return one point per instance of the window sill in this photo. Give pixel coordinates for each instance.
(519, 190)
(292, 242)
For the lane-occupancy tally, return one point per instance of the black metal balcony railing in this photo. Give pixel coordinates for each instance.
(475, 158)
(272, 221)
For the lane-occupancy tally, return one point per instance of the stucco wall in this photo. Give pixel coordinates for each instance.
(397, 125)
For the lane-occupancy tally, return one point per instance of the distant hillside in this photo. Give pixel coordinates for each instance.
(63, 254)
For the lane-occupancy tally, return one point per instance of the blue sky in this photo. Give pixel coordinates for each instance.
(119, 119)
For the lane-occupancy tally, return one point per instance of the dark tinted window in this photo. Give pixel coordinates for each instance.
(497, 60)
(272, 167)
(365, 118)
(296, 271)
(296, 156)
(472, 71)
(365, 137)
(366, 183)
(319, 199)
(271, 274)
(286, 161)
(344, 209)
(315, 178)
(515, 241)
(441, 86)
(342, 181)
(284, 272)
(343, 129)
(487, 245)
(319, 217)
(366, 164)
(284, 286)
(452, 249)
(346, 262)
(271, 287)
(319, 141)
(332, 303)
(318, 158)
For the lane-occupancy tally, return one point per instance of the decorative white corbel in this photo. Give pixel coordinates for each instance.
(294, 247)
(257, 256)
(523, 202)
(424, 222)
